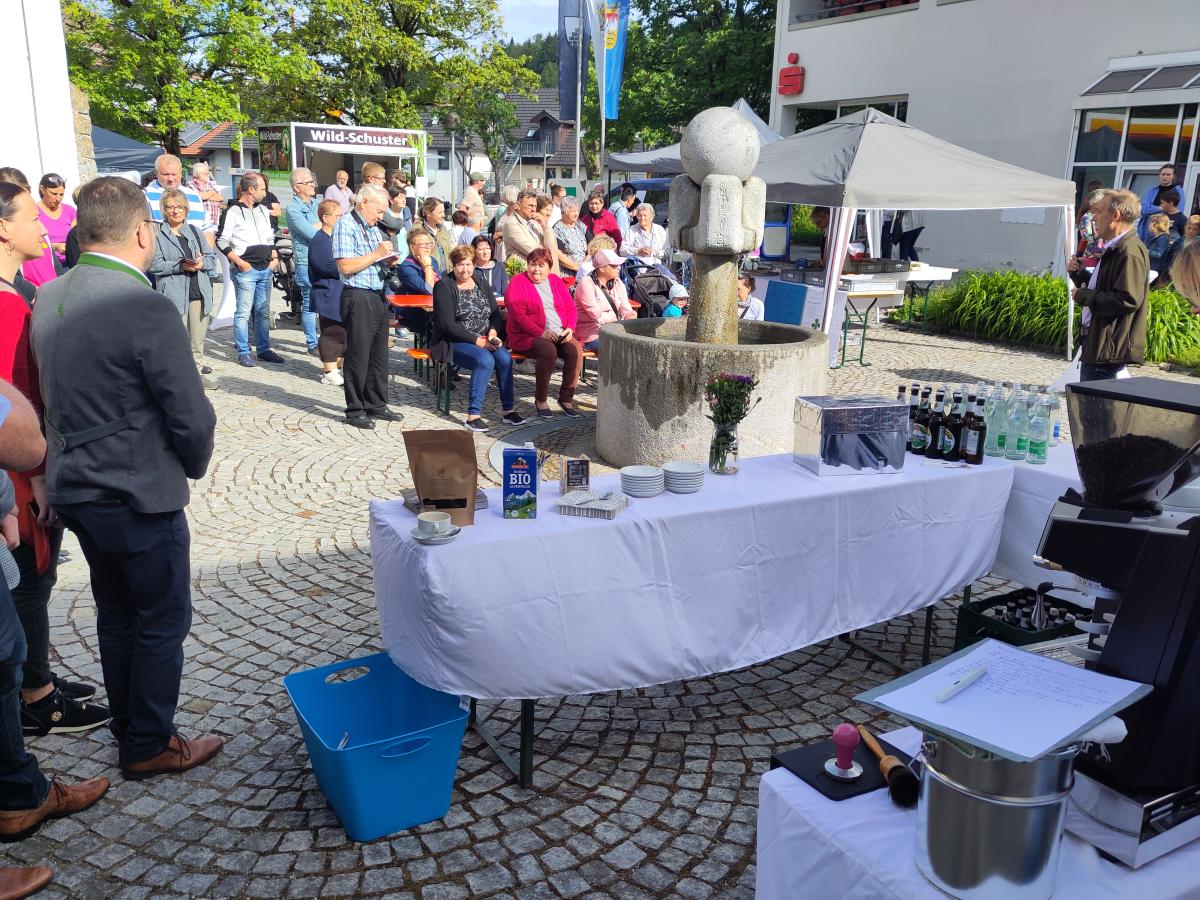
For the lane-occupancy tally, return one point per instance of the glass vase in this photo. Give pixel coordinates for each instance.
(723, 451)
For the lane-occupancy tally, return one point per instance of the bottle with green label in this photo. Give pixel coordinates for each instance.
(1039, 433)
(1016, 443)
(952, 430)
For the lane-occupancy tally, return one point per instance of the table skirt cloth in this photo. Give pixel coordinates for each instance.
(753, 566)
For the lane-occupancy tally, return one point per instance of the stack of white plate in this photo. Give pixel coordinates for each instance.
(684, 477)
(642, 481)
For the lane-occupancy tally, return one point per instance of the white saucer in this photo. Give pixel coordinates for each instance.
(443, 538)
(683, 469)
(641, 472)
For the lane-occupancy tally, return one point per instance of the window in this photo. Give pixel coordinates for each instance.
(1151, 136)
(1118, 82)
(1169, 77)
(439, 159)
(1100, 132)
(897, 109)
(810, 117)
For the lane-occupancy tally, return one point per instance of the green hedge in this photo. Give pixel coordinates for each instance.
(1032, 310)
(803, 230)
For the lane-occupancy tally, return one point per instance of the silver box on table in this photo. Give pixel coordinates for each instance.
(849, 435)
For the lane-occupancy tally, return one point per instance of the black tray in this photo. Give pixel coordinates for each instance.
(808, 764)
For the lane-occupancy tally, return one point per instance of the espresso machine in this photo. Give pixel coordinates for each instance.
(1137, 442)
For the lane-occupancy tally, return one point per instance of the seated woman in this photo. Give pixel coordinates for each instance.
(644, 239)
(486, 266)
(571, 237)
(749, 306)
(418, 274)
(326, 295)
(541, 324)
(599, 242)
(466, 320)
(601, 298)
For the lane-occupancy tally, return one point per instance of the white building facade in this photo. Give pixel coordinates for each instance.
(39, 132)
(1076, 89)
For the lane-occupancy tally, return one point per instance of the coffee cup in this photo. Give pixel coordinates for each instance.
(431, 524)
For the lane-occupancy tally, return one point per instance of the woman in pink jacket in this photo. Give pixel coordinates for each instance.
(601, 298)
(541, 324)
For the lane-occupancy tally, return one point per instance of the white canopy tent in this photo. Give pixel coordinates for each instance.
(665, 160)
(873, 162)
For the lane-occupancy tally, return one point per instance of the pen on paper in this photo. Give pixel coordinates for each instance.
(962, 684)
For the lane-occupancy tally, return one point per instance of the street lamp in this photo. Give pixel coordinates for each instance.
(451, 122)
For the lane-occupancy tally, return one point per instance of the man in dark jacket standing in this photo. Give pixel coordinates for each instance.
(1114, 294)
(127, 425)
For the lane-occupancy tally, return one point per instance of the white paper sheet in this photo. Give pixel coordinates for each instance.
(1025, 705)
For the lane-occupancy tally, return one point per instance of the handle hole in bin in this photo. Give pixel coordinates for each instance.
(344, 676)
(404, 748)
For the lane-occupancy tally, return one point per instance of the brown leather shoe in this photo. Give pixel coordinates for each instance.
(180, 755)
(61, 800)
(17, 883)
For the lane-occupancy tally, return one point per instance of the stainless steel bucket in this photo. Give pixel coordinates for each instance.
(988, 827)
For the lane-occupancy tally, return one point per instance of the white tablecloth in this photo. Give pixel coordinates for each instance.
(1034, 490)
(862, 849)
(677, 586)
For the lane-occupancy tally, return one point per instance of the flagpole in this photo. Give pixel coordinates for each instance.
(579, 88)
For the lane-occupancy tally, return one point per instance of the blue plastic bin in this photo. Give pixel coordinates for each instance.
(383, 747)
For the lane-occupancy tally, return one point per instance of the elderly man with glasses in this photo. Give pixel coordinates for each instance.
(303, 222)
(168, 173)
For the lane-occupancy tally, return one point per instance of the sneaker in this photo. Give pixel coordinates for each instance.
(546, 413)
(59, 714)
(514, 418)
(76, 690)
(245, 359)
(570, 412)
(206, 370)
(479, 425)
(313, 351)
(270, 356)
(402, 333)
(335, 378)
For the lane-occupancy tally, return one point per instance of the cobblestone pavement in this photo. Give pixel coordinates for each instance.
(643, 793)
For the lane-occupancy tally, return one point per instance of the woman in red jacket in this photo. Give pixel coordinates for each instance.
(541, 324)
(49, 704)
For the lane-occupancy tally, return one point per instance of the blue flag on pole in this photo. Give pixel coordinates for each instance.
(614, 23)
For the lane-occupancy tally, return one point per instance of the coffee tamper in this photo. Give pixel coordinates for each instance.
(843, 767)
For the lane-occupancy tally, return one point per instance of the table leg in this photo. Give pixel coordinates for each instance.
(524, 768)
(855, 644)
(862, 346)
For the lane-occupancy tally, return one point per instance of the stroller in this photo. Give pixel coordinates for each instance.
(649, 285)
(285, 275)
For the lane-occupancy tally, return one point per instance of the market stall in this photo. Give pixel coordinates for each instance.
(871, 161)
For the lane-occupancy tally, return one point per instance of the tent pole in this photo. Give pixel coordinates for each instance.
(1068, 213)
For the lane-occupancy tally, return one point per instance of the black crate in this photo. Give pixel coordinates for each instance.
(975, 622)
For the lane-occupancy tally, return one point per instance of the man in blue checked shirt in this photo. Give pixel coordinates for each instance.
(169, 172)
(303, 222)
(359, 248)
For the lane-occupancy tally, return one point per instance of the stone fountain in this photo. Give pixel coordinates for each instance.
(653, 371)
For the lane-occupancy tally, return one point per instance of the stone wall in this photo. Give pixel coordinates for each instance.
(83, 135)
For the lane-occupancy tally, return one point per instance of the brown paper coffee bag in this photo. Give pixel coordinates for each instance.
(444, 471)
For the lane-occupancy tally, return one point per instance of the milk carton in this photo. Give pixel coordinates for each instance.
(520, 487)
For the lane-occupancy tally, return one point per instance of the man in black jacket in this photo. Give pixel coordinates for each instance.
(1114, 293)
(127, 424)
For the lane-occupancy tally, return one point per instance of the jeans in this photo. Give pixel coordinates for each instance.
(593, 345)
(1099, 371)
(141, 582)
(482, 362)
(32, 601)
(22, 785)
(253, 295)
(308, 318)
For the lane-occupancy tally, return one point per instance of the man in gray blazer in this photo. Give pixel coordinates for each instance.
(127, 425)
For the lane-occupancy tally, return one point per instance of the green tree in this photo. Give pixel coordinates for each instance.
(538, 54)
(152, 65)
(384, 61)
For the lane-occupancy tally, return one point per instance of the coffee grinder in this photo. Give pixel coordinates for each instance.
(1136, 441)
